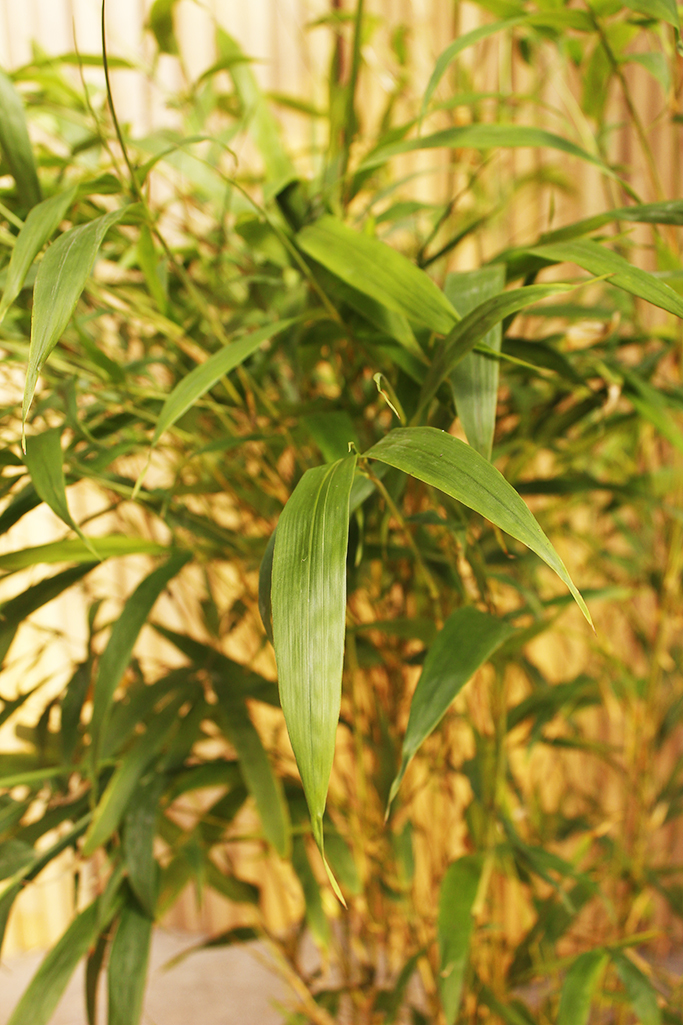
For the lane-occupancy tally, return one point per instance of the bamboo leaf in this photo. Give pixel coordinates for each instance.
(475, 379)
(658, 10)
(258, 775)
(44, 461)
(309, 610)
(14, 612)
(39, 227)
(484, 137)
(467, 639)
(579, 987)
(138, 841)
(78, 551)
(124, 634)
(61, 278)
(452, 466)
(127, 969)
(641, 993)
(265, 577)
(454, 928)
(474, 327)
(123, 784)
(315, 914)
(15, 143)
(47, 985)
(377, 270)
(206, 375)
(599, 260)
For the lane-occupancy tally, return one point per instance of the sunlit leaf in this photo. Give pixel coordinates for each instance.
(78, 551)
(15, 143)
(44, 459)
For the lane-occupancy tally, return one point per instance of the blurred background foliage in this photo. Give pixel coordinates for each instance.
(530, 867)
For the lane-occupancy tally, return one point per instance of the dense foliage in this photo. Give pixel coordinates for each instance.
(283, 340)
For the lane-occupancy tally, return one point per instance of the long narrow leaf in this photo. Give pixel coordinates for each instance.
(61, 278)
(475, 379)
(641, 994)
(124, 634)
(39, 227)
(447, 463)
(309, 610)
(127, 969)
(78, 551)
(15, 143)
(14, 612)
(373, 267)
(579, 987)
(467, 639)
(44, 459)
(458, 892)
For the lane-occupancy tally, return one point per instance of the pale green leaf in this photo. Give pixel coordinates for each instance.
(659, 10)
(475, 379)
(44, 459)
(452, 466)
(39, 227)
(15, 143)
(77, 551)
(309, 611)
(374, 268)
(454, 928)
(467, 639)
(579, 987)
(657, 65)
(61, 278)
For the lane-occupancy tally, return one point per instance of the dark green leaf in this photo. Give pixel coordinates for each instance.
(138, 841)
(579, 987)
(641, 994)
(15, 611)
(15, 143)
(458, 892)
(44, 459)
(127, 969)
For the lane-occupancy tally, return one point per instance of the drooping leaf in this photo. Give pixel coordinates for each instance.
(124, 634)
(657, 65)
(475, 379)
(599, 260)
(641, 994)
(458, 891)
(44, 461)
(473, 328)
(127, 969)
(579, 986)
(61, 278)
(15, 143)
(39, 227)
(658, 10)
(78, 551)
(47, 985)
(264, 786)
(206, 375)
(452, 466)
(315, 914)
(309, 609)
(373, 267)
(161, 25)
(467, 639)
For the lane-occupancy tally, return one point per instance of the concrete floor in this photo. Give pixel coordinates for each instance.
(213, 987)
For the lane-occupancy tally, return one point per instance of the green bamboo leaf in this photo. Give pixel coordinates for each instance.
(454, 928)
(125, 781)
(467, 639)
(61, 278)
(39, 227)
(669, 211)
(656, 64)
(332, 431)
(44, 461)
(124, 634)
(316, 918)
(15, 143)
(77, 551)
(659, 10)
(93, 969)
(474, 327)
(579, 986)
(309, 611)
(484, 137)
(452, 466)
(377, 270)
(264, 786)
(6, 902)
(14, 856)
(447, 56)
(641, 993)
(138, 841)
(127, 969)
(652, 406)
(14, 612)
(475, 379)
(206, 375)
(599, 260)
(265, 578)
(47, 985)
(161, 25)
(148, 261)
